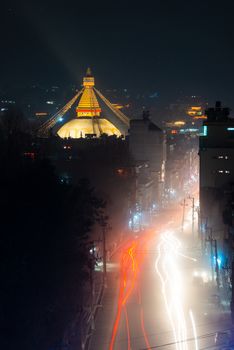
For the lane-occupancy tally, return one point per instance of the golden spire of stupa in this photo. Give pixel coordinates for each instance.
(88, 105)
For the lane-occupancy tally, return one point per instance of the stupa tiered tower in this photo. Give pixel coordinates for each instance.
(95, 115)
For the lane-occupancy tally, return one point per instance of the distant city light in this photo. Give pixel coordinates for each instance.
(8, 101)
(172, 192)
(179, 122)
(188, 130)
(154, 95)
(92, 250)
(40, 114)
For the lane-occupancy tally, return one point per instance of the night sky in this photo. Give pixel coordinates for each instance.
(165, 46)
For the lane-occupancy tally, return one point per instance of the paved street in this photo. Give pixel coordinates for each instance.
(153, 318)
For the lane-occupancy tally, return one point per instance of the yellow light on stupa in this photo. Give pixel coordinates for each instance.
(89, 119)
(88, 105)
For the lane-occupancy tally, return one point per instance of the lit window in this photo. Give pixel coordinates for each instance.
(221, 157)
(30, 155)
(120, 171)
(220, 171)
(227, 171)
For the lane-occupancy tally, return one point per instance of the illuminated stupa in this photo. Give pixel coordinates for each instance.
(95, 115)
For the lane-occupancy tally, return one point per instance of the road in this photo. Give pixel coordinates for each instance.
(151, 300)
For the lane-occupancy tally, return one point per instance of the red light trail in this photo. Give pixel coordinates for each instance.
(132, 258)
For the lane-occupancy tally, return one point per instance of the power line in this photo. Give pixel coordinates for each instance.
(204, 336)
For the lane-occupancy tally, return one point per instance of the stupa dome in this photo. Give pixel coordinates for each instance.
(81, 127)
(95, 115)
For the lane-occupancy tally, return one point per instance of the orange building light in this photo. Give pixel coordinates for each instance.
(179, 123)
(41, 114)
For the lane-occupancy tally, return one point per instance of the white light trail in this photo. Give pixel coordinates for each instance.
(158, 260)
(187, 257)
(194, 329)
(172, 287)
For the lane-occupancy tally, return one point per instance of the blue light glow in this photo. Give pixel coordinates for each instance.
(230, 129)
(203, 130)
(219, 260)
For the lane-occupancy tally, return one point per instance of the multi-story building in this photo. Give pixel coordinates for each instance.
(216, 171)
(181, 165)
(148, 146)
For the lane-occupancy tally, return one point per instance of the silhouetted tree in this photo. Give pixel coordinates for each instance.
(44, 260)
(14, 134)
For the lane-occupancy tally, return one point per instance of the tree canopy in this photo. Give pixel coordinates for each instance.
(44, 256)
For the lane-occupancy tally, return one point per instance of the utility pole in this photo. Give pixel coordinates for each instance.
(104, 253)
(216, 264)
(199, 224)
(210, 240)
(232, 300)
(203, 230)
(193, 209)
(183, 215)
(103, 224)
(92, 285)
(213, 244)
(193, 216)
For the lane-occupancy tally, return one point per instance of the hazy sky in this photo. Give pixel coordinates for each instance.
(165, 46)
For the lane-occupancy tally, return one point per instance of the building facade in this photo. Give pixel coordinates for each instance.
(216, 151)
(148, 146)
